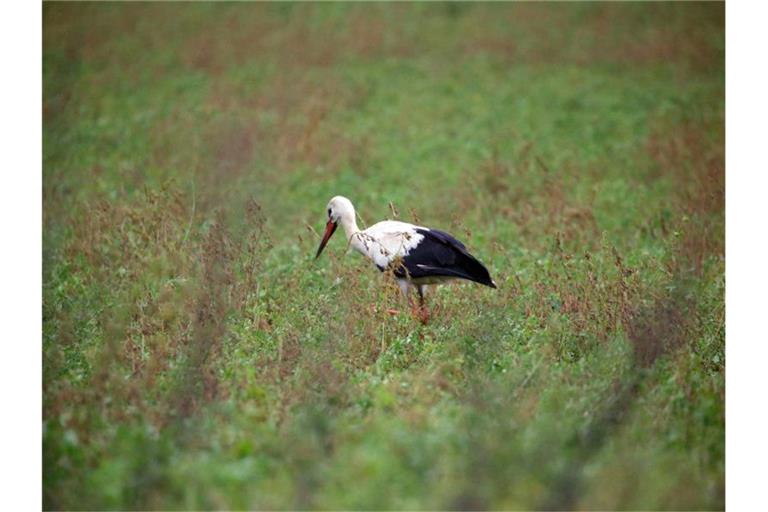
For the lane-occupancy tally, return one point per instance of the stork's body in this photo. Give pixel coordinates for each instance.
(416, 255)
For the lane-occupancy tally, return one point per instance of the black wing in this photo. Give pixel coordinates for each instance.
(440, 254)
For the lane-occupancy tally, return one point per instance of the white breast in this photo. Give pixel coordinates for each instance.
(386, 241)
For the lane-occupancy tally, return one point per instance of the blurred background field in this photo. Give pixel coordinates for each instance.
(195, 356)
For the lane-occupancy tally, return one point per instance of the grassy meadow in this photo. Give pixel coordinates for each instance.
(195, 356)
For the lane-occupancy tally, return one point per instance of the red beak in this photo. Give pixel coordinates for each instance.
(329, 229)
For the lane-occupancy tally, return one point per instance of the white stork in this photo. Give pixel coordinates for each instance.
(416, 256)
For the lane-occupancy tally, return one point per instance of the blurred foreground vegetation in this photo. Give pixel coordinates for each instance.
(196, 357)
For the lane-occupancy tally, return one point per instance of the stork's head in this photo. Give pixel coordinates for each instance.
(340, 210)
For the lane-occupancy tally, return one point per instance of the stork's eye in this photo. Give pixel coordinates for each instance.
(329, 213)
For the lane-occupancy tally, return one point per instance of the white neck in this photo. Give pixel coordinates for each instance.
(350, 230)
(350, 226)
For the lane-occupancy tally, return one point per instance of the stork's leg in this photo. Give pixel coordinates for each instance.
(419, 309)
(404, 287)
(423, 312)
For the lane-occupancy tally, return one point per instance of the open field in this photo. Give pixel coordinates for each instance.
(194, 354)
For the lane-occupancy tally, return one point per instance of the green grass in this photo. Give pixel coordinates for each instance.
(194, 354)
